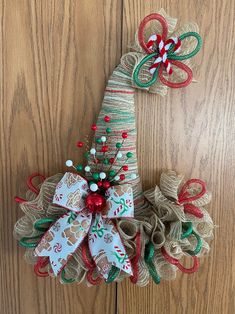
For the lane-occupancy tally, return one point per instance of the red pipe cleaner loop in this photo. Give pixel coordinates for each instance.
(176, 262)
(184, 196)
(181, 66)
(148, 18)
(89, 263)
(41, 263)
(19, 200)
(193, 210)
(30, 184)
(91, 280)
(136, 258)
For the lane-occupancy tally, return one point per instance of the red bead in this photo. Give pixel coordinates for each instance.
(104, 149)
(125, 168)
(111, 160)
(95, 202)
(122, 177)
(79, 144)
(106, 185)
(100, 184)
(107, 119)
(94, 127)
(124, 135)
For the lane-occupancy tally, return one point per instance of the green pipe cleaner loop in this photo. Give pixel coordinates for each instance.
(137, 71)
(148, 257)
(38, 223)
(112, 274)
(187, 231)
(173, 56)
(24, 241)
(198, 246)
(66, 280)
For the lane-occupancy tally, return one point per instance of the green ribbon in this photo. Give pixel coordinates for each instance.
(25, 241)
(28, 241)
(188, 227)
(189, 231)
(66, 280)
(170, 56)
(38, 223)
(112, 274)
(148, 257)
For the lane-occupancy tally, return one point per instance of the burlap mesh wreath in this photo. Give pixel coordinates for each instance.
(169, 221)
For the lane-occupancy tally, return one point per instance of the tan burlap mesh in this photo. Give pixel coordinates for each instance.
(157, 217)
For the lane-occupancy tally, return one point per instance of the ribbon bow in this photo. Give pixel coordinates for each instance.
(67, 233)
(165, 53)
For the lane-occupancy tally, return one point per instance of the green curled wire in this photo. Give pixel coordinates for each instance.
(112, 274)
(25, 241)
(198, 246)
(137, 71)
(38, 223)
(173, 56)
(148, 257)
(187, 231)
(66, 280)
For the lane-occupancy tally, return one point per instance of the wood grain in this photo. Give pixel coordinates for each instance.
(192, 131)
(56, 57)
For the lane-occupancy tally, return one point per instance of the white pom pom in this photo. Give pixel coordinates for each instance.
(119, 155)
(69, 163)
(93, 151)
(87, 169)
(93, 187)
(117, 178)
(102, 175)
(103, 139)
(133, 176)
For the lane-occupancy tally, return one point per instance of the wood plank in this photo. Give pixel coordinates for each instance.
(192, 131)
(55, 59)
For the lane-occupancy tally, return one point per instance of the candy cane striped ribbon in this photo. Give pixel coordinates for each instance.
(162, 49)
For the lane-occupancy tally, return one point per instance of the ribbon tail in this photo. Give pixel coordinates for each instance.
(63, 238)
(106, 247)
(120, 202)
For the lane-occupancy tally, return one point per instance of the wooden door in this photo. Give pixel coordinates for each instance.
(56, 57)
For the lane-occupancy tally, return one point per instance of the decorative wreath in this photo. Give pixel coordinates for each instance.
(94, 223)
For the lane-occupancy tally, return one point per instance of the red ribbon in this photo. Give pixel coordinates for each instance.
(185, 199)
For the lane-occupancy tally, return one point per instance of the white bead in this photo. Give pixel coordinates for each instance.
(93, 187)
(87, 169)
(93, 151)
(119, 155)
(103, 139)
(117, 178)
(133, 176)
(102, 175)
(69, 163)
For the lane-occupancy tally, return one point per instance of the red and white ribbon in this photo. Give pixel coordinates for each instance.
(162, 48)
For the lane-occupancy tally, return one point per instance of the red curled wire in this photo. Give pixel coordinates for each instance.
(41, 263)
(135, 260)
(176, 262)
(31, 186)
